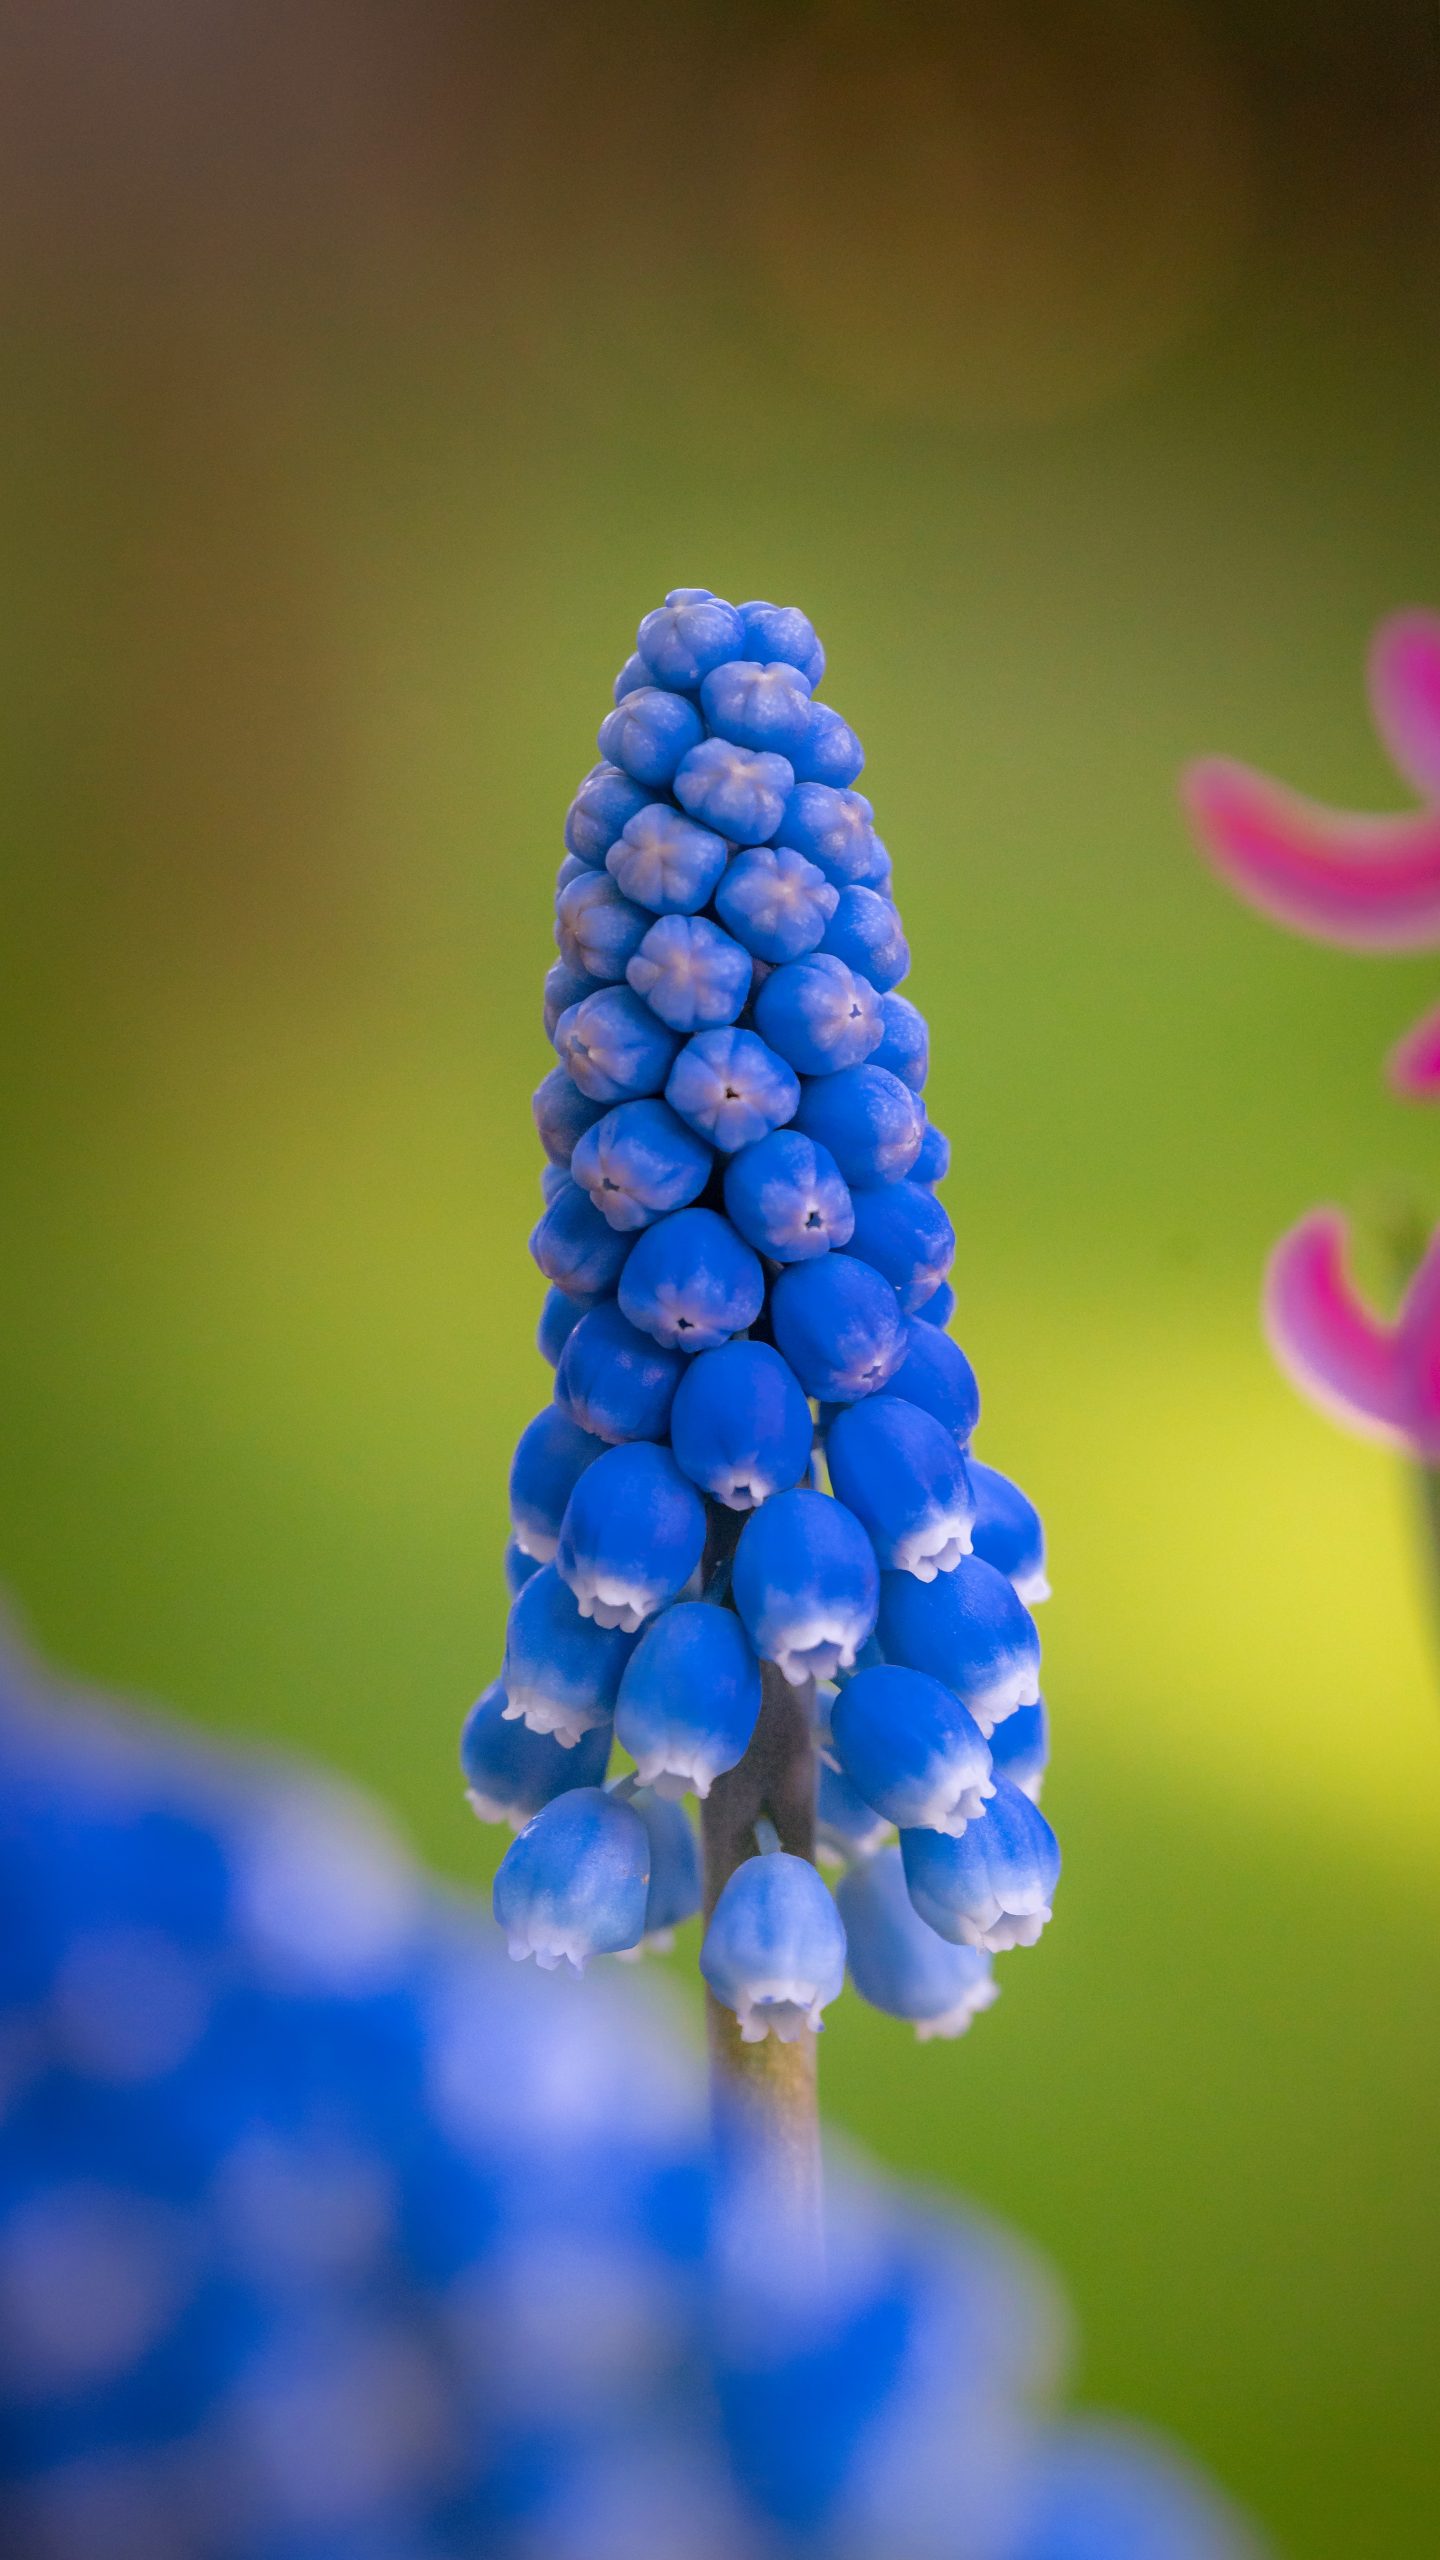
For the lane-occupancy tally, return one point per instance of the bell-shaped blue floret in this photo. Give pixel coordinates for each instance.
(939, 1310)
(633, 677)
(665, 863)
(968, 1629)
(936, 1375)
(899, 1964)
(692, 1282)
(870, 1121)
(901, 1473)
(562, 1114)
(518, 1567)
(908, 1747)
(1020, 1748)
(740, 793)
(692, 975)
(993, 1886)
(781, 632)
(563, 988)
(596, 928)
(731, 1088)
(1009, 1533)
(511, 1772)
(674, 1891)
(905, 1046)
(818, 1016)
(740, 1426)
(866, 933)
(776, 902)
(901, 1228)
(559, 1315)
(787, 1197)
(806, 1584)
(574, 1884)
(614, 1380)
(649, 734)
(838, 1323)
(551, 1455)
(775, 1948)
(632, 1535)
(687, 635)
(605, 802)
(766, 708)
(689, 1700)
(829, 751)
(640, 1162)
(846, 1827)
(613, 1047)
(575, 1248)
(835, 830)
(933, 1162)
(561, 1671)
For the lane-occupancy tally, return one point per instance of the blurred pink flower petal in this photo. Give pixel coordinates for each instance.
(1338, 1352)
(1371, 883)
(1413, 1066)
(1405, 696)
(1419, 1356)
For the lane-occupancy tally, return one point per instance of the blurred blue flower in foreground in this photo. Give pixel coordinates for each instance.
(325, 2234)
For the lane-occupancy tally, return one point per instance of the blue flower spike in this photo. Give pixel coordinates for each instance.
(898, 1963)
(574, 1883)
(775, 1948)
(992, 1887)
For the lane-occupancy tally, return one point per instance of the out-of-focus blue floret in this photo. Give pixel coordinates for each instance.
(633, 677)
(939, 1310)
(818, 1015)
(776, 902)
(738, 791)
(517, 1567)
(511, 1772)
(639, 1162)
(731, 1087)
(865, 931)
(613, 1380)
(565, 986)
(846, 1826)
(871, 1123)
(903, 1230)
(649, 734)
(559, 1315)
(740, 1426)
(692, 1282)
(613, 1047)
(690, 973)
(665, 863)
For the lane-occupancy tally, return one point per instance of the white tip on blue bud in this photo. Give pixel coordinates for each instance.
(968, 1629)
(1009, 1533)
(909, 1748)
(575, 1882)
(775, 1948)
(897, 1961)
(740, 1426)
(901, 1473)
(689, 1699)
(806, 1584)
(993, 1887)
(551, 1455)
(632, 1535)
(561, 1671)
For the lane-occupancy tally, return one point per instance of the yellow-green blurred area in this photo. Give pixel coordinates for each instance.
(368, 373)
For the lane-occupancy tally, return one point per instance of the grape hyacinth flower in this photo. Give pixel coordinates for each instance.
(753, 1480)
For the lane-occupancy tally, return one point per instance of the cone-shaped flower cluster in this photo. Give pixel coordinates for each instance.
(758, 1448)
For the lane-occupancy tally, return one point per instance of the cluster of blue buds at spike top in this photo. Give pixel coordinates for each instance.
(758, 1449)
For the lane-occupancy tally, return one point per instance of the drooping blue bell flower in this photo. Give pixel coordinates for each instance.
(633, 677)
(687, 635)
(829, 751)
(665, 863)
(605, 801)
(559, 1315)
(871, 1123)
(935, 1374)
(574, 1883)
(640, 1162)
(902, 1229)
(650, 733)
(806, 1584)
(551, 1455)
(562, 1114)
(846, 1827)
(1020, 1748)
(596, 928)
(866, 933)
(615, 1381)
(993, 1887)
(517, 1567)
(740, 793)
(835, 830)
(692, 1282)
(511, 1772)
(775, 1948)
(898, 1963)
(613, 1047)
(731, 1088)
(632, 1535)
(905, 1046)
(933, 1162)
(786, 1196)
(776, 902)
(674, 1891)
(838, 1323)
(819, 1016)
(740, 1426)
(901, 1473)
(689, 1700)
(908, 1747)
(968, 1629)
(763, 707)
(938, 1310)
(781, 633)
(1009, 1533)
(692, 975)
(561, 1671)
(574, 1246)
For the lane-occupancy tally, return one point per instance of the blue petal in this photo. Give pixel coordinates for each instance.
(640, 1162)
(691, 632)
(692, 1283)
(574, 1884)
(902, 1475)
(551, 1455)
(692, 975)
(806, 1584)
(993, 1886)
(903, 1230)
(650, 733)
(776, 902)
(731, 1088)
(775, 1948)
(740, 793)
(819, 1016)
(613, 1048)
(786, 1196)
(1009, 1533)
(605, 800)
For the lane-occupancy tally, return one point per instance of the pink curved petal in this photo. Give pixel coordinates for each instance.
(1325, 1338)
(1405, 695)
(1413, 1066)
(1370, 883)
(1419, 1355)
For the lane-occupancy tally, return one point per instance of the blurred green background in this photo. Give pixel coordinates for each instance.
(369, 372)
